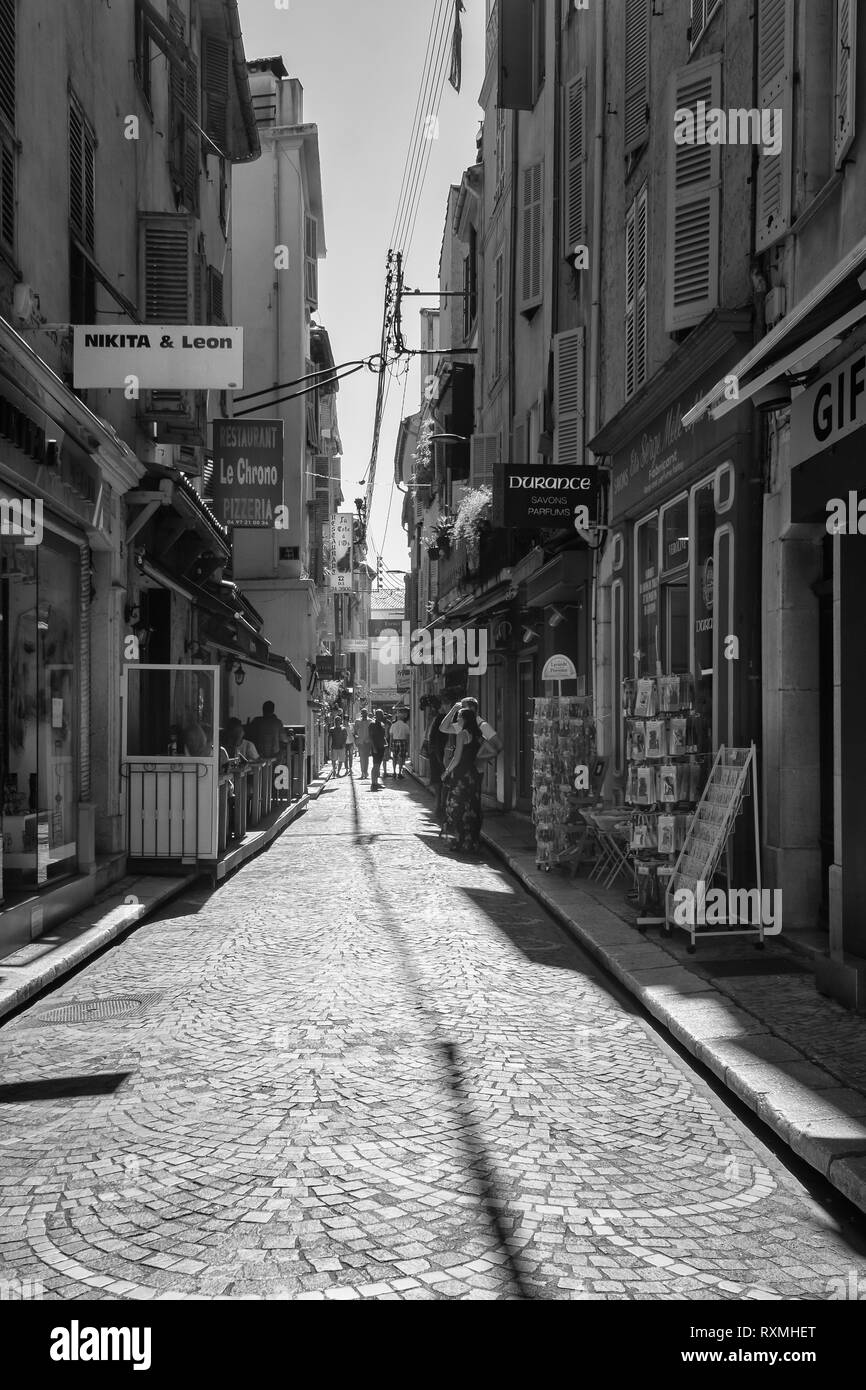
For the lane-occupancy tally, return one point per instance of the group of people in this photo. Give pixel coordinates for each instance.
(376, 742)
(266, 738)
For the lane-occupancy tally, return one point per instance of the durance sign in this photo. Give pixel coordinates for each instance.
(247, 484)
(536, 497)
(158, 356)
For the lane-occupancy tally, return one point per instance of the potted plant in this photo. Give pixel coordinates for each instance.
(441, 536)
(472, 520)
(422, 473)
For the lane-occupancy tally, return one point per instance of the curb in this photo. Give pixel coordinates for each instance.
(820, 1119)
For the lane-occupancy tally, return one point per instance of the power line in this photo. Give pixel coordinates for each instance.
(305, 391)
(418, 108)
(440, 84)
(422, 153)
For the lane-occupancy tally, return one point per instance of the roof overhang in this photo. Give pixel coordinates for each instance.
(224, 14)
(818, 323)
(306, 139)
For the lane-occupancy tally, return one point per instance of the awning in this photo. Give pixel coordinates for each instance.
(818, 322)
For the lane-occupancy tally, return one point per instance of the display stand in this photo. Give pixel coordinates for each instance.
(563, 738)
(733, 776)
(667, 764)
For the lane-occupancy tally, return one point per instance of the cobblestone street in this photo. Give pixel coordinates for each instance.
(367, 1068)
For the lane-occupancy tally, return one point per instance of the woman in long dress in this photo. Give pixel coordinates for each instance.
(462, 778)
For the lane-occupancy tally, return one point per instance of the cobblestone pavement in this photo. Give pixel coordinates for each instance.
(365, 1068)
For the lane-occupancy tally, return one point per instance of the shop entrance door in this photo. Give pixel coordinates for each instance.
(525, 692)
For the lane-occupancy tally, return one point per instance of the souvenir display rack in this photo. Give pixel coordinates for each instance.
(563, 739)
(667, 766)
(732, 777)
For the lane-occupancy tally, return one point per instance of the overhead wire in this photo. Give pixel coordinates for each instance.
(439, 87)
(432, 98)
(418, 109)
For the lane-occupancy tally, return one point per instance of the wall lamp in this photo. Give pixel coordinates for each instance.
(529, 633)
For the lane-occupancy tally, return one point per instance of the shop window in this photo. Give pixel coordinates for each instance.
(169, 713)
(617, 614)
(723, 488)
(675, 534)
(646, 654)
(703, 592)
(39, 587)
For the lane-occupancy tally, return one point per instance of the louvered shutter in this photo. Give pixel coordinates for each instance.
(531, 188)
(7, 194)
(692, 277)
(775, 92)
(215, 87)
(568, 385)
(637, 67)
(630, 300)
(520, 439)
(573, 202)
(845, 79)
(311, 266)
(484, 450)
(82, 207)
(215, 308)
(7, 60)
(168, 279)
(640, 318)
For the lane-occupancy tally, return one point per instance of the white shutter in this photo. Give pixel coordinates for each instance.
(573, 201)
(630, 300)
(637, 67)
(692, 273)
(531, 188)
(775, 93)
(568, 387)
(845, 79)
(311, 265)
(483, 455)
(640, 319)
(520, 439)
(167, 253)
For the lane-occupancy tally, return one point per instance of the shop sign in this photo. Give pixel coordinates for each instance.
(247, 485)
(404, 677)
(559, 668)
(831, 409)
(534, 499)
(158, 356)
(341, 551)
(355, 644)
(663, 454)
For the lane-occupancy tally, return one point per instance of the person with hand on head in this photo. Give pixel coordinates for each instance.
(463, 779)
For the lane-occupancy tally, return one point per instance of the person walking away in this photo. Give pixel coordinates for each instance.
(399, 745)
(350, 746)
(338, 746)
(362, 742)
(463, 779)
(266, 731)
(378, 744)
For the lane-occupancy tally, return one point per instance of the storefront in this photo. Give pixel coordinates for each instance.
(684, 570)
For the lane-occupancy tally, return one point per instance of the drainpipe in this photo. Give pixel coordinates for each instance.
(594, 333)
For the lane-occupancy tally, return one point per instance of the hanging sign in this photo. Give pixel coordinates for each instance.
(247, 483)
(830, 410)
(341, 573)
(157, 356)
(559, 668)
(536, 497)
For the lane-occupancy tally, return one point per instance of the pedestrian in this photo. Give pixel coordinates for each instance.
(350, 746)
(236, 745)
(362, 742)
(488, 733)
(463, 779)
(266, 731)
(437, 743)
(338, 746)
(399, 744)
(378, 744)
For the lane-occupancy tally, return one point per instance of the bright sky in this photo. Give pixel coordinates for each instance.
(360, 64)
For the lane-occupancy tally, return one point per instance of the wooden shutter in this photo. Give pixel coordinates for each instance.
(520, 439)
(82, 162)
(483, 455)
(775, 92)
(637, 66)
(515, 91)
(568, 386)
(215, 307)
(845, 79)
(7, 60)
(168, 277)
(692, 275)
(7, 192)
(630, 299)
(311, 266)
(635, 295)
(531, 264)
(215, 89)
(573, 202)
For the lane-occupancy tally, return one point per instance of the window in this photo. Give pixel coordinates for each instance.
(8, 147)
(637, 68)
(499, 154)
(775, 93)
(635, 295)
(215, 88)
(574, 163)
(498, 314)
(539, 11)
(470, 283)
(311, 267)
(531, 222)
(692, 269)
(845, 72)
(82, 145)
(702, 12)
(184, 122)
(521, 53)
(568, 379)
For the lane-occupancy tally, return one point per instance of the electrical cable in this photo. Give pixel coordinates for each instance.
(439, 88)
(311, 376)
(306, 391)
(432, 96)
(421, 125)
(418, 108)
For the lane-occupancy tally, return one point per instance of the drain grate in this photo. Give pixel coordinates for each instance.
(95, 1010)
